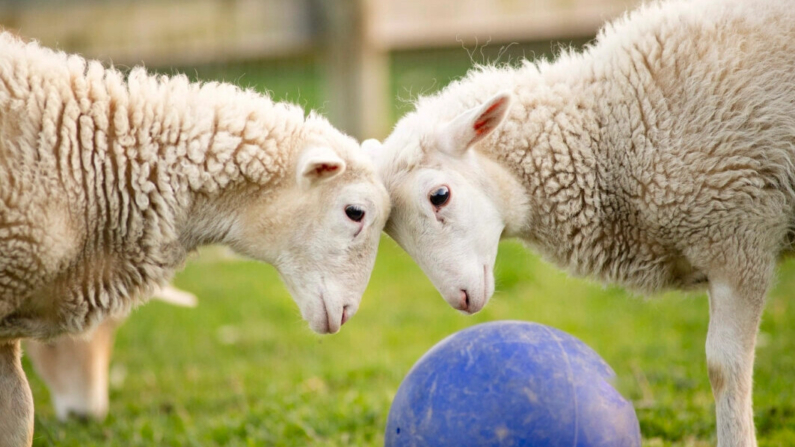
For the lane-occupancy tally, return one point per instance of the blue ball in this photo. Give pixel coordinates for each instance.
(511, 383)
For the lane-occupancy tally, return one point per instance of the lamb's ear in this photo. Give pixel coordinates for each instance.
(475, 124)
(317, 164)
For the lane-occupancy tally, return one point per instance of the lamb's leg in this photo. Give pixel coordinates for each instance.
(16, 400)
(734, 313)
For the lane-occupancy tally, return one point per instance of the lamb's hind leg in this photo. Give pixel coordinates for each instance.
(16, 400)
(735, 310)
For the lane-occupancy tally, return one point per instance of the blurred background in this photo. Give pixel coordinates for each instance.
(242, 368)
(354, 60)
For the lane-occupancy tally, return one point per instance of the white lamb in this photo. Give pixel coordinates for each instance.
(106, 185)
(660, 157)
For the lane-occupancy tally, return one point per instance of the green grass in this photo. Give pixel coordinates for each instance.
(243, 369)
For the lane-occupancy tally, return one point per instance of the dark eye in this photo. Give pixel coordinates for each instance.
(440, 196)
(354, 213)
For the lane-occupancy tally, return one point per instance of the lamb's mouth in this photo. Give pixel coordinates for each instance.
(325, 314)
(474, 303)
(329, 329)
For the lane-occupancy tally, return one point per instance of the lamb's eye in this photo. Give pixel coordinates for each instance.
(440, 196)
(354, 213)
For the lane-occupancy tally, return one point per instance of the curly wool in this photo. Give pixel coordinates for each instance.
(99, 177)
(660, 152)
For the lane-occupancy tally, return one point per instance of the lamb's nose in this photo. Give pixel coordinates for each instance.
(463, 303)
(345, 314)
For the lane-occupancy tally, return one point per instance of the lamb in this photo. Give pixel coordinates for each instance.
(107, 184)
(75, 369)
(660, 157)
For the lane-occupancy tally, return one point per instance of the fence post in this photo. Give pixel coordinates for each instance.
(357, 69)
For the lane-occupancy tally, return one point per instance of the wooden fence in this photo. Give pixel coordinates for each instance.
(354, 37)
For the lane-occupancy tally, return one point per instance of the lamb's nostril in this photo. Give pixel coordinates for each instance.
(345, 314)
(464, 303)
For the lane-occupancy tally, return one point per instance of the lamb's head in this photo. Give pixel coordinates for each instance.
(445, 202)
(321, 227)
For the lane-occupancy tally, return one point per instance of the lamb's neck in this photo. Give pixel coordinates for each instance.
(548, 144)
(209, 220)
(507, 190)
(215, 199)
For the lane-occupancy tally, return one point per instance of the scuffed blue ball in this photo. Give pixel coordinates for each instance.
(511, 383)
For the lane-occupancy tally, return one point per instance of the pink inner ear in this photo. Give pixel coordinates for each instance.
(494, 106)
(324, 168)
(482, 125)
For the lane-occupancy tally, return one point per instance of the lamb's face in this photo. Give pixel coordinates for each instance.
(322, 232)
(444, 208)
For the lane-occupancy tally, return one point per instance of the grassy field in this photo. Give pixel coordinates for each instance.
(243, 369)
